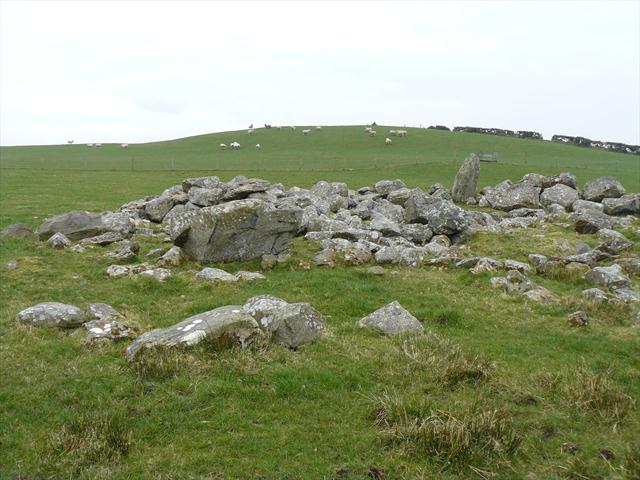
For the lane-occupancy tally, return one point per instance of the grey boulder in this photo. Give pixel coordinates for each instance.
(466, 180)
(52, 314)
(603, 187)
(296, 324)
(74, 225)
(508, 196)
(59, 241)
(16, 230)
(392, 319)
(626, 204)
(559, 194)
(610, 277)
(590, 221)
(230, 321)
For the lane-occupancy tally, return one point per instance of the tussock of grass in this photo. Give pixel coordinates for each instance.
(450, 364)
(471, 438)
(91, 439)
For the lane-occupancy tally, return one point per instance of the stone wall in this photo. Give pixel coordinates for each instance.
(585, 142)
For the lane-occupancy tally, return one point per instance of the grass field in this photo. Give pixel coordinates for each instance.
(497, 388)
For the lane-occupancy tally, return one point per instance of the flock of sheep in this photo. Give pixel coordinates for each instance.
(236, 146)
(307, 131)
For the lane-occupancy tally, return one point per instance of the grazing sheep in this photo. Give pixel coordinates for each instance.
(234, 145)
(257, 146)
(393, 132)
(69, 142)
(124, 145)
(372, 133)
(387, 141)
(367, 129)
(306, 132)
(318, 128)
(250, 131)
(223, 146)
(97, 144)
(402, 133)
(90, 145)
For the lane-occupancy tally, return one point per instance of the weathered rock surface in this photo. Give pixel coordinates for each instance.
(17, 230)
(559, 194)
(52, 314)
(466, 180)
(59, 241)
(262, 308)
(126, 251)
(107, 329)
(626, 204)
(230, 321)
(157, 208)
(296, 324)
(603, 187)
(172, 257)
(511, 196)
(160, 274)
(392, 319)
(578, 318)
(609, 277)
(102, 311)
(239, 230)
(590, 221)
(77, 225)
(103, 239)
(215, 275)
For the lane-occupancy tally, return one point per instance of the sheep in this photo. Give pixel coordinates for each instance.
(250, 131)
(387, 141)
(393, 132)
(223, 146)
(367, 129)
(69, 142)
(257, 146)
(402, 133)
(318, 127)
(293, 127)
(90, 145)
(235, 145)
(97, 144)
(306, 132)
(124, 145)
(372, 133)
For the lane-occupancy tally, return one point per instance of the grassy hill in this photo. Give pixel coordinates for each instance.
(497, 387)
(331, 149)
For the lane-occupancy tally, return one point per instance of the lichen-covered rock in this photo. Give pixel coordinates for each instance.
(398, 254)
(595, 295)
(392, 319)
(239, 230)
(578, 318)
(564, 178)
(230, 321)
(102, 311)
(559, 194)
(202, 182)
(541, 296)
(626, 204)
(511, 196)
(215, 275)
(75, 225)
(16, 230)
(59, 241)
(205, 197)
(172, 257)
(249, 276)
(103, 239)
(157, 208)
(385, 187)
(590, 221)
(603, 187)
(241, 187)
(325, 258)
(118, 270)
(126, 251)
(52, 314)
(582, 205)
(107, 329)
(160, 274)
(466, 180)
(513, 282)
(296, 324)
(610, 277)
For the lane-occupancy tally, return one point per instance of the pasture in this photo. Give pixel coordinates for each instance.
(498, 387)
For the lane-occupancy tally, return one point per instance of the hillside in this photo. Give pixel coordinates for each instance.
(338, 148)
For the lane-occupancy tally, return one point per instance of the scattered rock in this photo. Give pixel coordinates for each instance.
(559, 194)
(392, 319)
(118, 270)
(17, 230)
(52, 314)
(376, 270)
(102, 311)
(215, 275)
(590, 221)
(11, 265)
(609, 277)
(230, 321)
(126, 251)
(103, 239)
(160, 274)
(156, 253)
(173, 257)
(507, 196)
(578, 318)
(249, 276)
(541, 296)
(295, 324)
(107, 330)
(262, 308)
(325, 258)
(627, 204)
(603, 187)
(595, 295)
(59, 241)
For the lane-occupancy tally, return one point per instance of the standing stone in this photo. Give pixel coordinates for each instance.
(466, 181)
(392, 319)
(52, 314)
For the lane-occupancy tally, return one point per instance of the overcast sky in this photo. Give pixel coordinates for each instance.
(134, 72)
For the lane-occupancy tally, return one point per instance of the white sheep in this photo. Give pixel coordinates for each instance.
(90, 145)
(306, 132)
(250, 131)
(223, 146)
(372, 133)
(97, 144)
(402, 133)
(124, 145)
(387, 141)
(367, 129)
(318, 127)
(235, 146)
(393, 132)
(257, 146)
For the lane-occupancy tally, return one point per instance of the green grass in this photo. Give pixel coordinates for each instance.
(336, 149)
(493, 388)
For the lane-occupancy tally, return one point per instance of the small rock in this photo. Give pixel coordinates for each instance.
(103, 239)
(376, 270)
(117, 270)
(78, 249)
(268, 261)
(578, 318)
(250, 276)
(102, 311)
(215, 275)
(610, 277)
(392, 319)
(11, 265)
(325, 258)
(173, 257)
(52, 314)
(541, 296)
(595, 295)
(59, 241)
(296, 324)
(160, 274)
(126, 251)
(107, 330)
(156, 253)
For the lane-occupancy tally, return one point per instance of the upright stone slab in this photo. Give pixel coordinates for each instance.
(466, 181)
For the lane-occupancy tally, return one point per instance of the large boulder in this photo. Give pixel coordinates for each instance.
(241, 187)
(52, 314)
(157, 208)
(466, 181)
(603, 187)
(263, 307)
(560, 194)
(508, 196)
(239, 230)
(205, 197)
(295, 324)
(610, 277)
(590, 221)
(445, 218)
(392, 319)
(17, 230)
(625, 204)
(74, 225)
(230, 321)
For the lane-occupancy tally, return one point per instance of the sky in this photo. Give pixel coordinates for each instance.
(143, 71)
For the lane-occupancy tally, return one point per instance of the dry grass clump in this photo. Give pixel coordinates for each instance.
(450, 364)
(474, 438)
